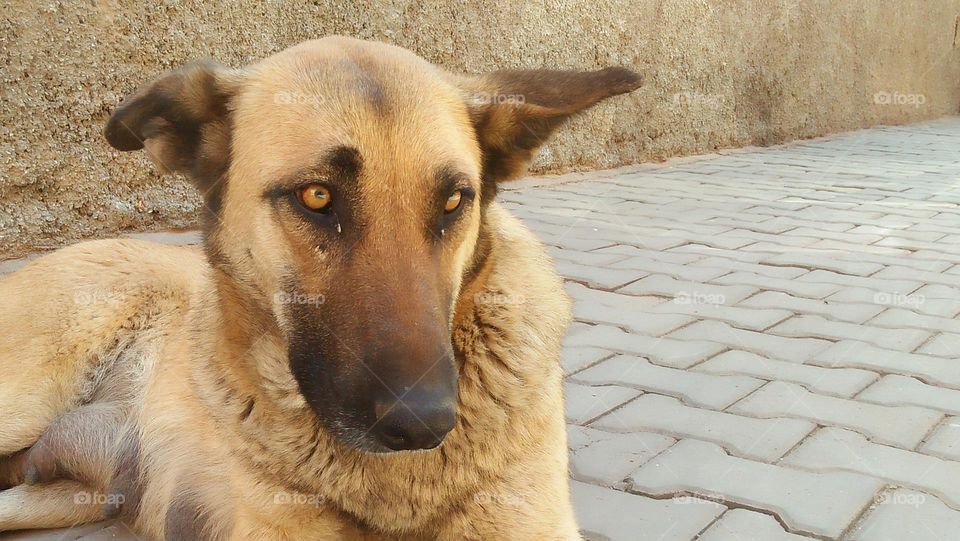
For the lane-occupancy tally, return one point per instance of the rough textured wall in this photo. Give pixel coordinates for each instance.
(720, 73)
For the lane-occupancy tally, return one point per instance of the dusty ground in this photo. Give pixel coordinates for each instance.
(719, 74)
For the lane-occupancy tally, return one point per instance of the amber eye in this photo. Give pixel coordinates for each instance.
(315, 197)
(453, 202)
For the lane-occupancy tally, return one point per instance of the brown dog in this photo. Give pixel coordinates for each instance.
(367, 349)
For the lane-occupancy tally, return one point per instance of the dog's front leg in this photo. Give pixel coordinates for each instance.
(57, 504)
(80, 445)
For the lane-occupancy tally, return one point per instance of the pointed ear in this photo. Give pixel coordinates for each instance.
(515, 111)
(182, 120)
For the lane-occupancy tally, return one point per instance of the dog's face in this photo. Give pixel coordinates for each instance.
(346, 182)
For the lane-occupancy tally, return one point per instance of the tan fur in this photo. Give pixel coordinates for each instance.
(156, 375)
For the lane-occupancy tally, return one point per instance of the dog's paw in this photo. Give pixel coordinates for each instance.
(11, 470)
(41, 465)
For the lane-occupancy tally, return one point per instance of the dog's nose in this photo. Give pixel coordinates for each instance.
(415, 422)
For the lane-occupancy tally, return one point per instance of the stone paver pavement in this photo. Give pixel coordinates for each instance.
(767, 344)
(773, 331)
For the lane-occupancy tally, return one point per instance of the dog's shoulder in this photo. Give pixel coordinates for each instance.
(101, 262)
(85, 293)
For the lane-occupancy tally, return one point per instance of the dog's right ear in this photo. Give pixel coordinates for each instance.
(515, 111)
(182, 120)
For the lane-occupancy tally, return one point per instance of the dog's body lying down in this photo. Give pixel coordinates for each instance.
(361, 299)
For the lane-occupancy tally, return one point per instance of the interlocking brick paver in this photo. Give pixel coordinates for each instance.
(743, 525)
(949, 307)
(891, 286)
(839, 311)
(624, 250)
(607, 458)
(942, 249)
(853, 354)
(926, 235)
(823, 260)
(179, 238)
(665, 351)
(584, 402)
(680, 272)
(11, 265)
(731, 265)
(759, 439)
(607, 514)
(936, 255)
(662, 285)
(843, 382)
(896, 390)
(818, 327)
(694, 388)
(751, 237)
(937, 291)
(744, 318)
(627, 311)
(901, 426)
(817, 503)
(766, 283)
(847, 236)
(789, 349)
(709, 251)
(578, 358)
(858, 248)
(945, 440)
(930, 277)
(583, 258)
(945, 345)
(898, 318)
(99, 531)
(908, 515)
(599, 277)
(832, 449)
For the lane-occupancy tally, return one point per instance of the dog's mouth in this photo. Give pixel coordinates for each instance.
(362, 441)
(360, 409)
(405, 432)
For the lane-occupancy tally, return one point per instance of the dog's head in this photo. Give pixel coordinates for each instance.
(346, 183)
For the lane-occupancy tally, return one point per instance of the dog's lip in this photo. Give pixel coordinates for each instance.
(379, 449)
(366, 444)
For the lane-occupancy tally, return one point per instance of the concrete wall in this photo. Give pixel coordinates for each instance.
(720, 73)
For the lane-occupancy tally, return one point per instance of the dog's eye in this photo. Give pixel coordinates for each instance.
(453, 202)
(316, 197)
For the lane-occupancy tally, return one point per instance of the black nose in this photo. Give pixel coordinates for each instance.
(415, 422)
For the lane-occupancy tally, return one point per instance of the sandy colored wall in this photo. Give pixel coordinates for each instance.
(720, 73)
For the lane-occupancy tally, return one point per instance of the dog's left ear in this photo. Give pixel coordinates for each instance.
(515, 111)
(182, 120)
